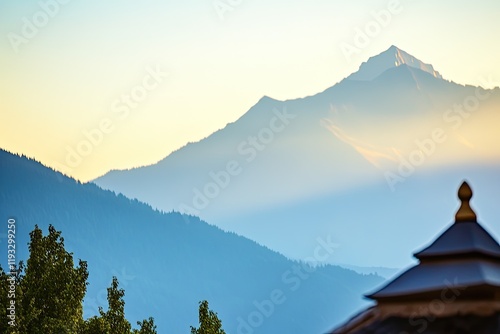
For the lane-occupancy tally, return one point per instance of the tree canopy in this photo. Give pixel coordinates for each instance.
(49, 294)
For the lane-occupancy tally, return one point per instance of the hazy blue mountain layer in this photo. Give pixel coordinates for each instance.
(167, 262)
(374, 161)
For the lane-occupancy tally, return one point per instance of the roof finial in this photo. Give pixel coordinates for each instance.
(465, 213)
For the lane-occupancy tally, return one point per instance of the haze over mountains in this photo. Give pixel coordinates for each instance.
(371, 161)
(167, 263)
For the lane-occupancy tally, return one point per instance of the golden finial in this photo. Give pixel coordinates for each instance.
(465, 213)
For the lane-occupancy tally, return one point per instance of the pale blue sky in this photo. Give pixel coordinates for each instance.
(65, 79)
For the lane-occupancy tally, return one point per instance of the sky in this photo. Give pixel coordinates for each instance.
(90, 86)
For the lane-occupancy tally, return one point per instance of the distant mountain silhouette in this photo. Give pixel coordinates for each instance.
(167, 262)
(342, 154)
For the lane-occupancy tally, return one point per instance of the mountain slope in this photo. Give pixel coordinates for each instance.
(355, 136)
(167, 262)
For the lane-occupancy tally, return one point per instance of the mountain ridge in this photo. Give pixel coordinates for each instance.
(267, 99)
(353, 134)
(167, 262)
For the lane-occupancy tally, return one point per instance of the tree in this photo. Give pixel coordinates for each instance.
(95, 325)
(209, 322)
(4, 301)
(53, 289)
(146, 327)
(9, 300)
(49, 294)
(115, 315)
(113, 320)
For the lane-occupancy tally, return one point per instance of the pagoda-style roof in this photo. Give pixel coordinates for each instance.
(464, 255)
(461, 240)
(465, 237)
(482, 279)
(455, 287)
(470, 323)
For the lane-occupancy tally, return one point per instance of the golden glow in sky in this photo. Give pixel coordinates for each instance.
(138, 80)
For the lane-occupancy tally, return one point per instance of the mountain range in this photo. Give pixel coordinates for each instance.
(370, 161)
(168, 262)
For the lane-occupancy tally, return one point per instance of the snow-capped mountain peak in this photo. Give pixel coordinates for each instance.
(392, 57)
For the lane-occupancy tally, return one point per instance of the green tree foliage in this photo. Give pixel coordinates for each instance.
(113, 321)
(95, 325)
(4, 301)
(209, 322)
(146, 327)
(53, 289)
(115, 316)
(49, 294)
(13, 276)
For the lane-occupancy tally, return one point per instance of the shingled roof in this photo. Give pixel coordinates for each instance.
(456, 284)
